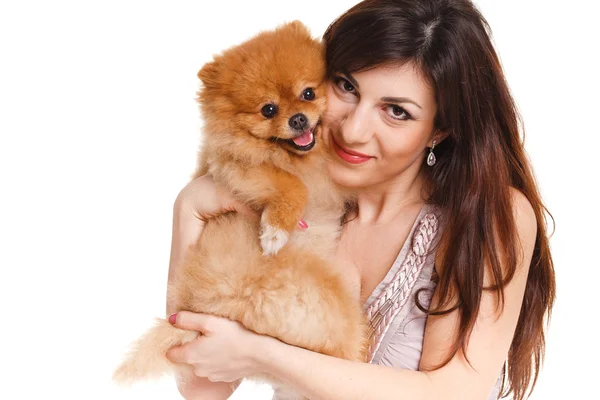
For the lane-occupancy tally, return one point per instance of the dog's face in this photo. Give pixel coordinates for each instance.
(270, 87)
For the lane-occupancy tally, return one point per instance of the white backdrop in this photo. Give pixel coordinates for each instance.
(99, 131)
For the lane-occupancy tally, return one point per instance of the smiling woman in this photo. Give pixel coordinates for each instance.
(99, 132)
(446, 243)
(386, 116)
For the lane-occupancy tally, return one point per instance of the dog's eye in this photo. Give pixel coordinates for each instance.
(308, 94)
(269, 111)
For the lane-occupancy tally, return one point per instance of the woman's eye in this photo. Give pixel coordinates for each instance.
(344, 85)
(308, 94)
(348, 86)
(396, 112)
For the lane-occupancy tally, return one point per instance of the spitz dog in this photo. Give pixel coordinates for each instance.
(262, 103)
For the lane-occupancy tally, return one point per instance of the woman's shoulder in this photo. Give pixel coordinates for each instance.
(524, 214)
(525, 221)
(526, 225)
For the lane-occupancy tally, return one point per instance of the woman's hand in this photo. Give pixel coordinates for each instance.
(202, 199)
(225, 352)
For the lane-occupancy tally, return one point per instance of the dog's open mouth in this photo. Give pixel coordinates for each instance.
(305, 141)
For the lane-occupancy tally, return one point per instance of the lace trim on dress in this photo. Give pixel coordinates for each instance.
(382, 311)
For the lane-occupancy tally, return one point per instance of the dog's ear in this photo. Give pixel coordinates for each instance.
(209, 74)
(297, 27)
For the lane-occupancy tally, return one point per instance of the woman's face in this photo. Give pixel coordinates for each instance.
(378, 125)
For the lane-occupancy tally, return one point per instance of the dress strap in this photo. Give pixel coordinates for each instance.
(391, 300)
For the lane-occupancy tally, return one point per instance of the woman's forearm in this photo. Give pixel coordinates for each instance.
(186, 230)
(318, 376)
(198, 388)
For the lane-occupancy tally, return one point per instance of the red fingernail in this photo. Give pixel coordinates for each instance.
(302, 224)
(173, 318)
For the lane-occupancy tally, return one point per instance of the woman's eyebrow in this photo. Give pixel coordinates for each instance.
(399, 100)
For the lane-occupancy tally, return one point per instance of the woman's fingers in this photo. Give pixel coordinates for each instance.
(228, 203)
(202, 323)
(193, 322)
(207, 200)
(180, 354)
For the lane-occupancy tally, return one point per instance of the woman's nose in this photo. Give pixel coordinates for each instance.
(355, 128)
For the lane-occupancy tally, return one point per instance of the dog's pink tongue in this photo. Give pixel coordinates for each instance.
(305, 139)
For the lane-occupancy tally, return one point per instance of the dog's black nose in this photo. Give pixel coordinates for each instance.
(298, 122)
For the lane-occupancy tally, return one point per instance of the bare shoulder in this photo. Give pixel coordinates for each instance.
(525, 224)
(525, 219)
(525, 236)
(522, 207)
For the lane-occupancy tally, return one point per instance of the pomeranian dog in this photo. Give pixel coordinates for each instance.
(262, 103)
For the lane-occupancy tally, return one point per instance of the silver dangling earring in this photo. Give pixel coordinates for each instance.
(431, 158)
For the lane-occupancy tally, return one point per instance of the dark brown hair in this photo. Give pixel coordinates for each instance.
(478, 163)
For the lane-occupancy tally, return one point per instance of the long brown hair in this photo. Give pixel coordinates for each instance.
(478, 163)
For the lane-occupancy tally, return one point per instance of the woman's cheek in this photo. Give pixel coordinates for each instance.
(335, 105)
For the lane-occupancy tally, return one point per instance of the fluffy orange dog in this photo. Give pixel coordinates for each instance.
(262, 102)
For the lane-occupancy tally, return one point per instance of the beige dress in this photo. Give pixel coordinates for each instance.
(397, 324)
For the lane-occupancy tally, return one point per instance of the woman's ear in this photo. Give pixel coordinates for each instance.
(439, 137)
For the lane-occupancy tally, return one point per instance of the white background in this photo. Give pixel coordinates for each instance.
(99, 132)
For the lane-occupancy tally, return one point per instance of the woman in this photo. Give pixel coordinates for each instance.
(422, 126)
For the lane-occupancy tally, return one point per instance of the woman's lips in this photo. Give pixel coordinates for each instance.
(349, 156)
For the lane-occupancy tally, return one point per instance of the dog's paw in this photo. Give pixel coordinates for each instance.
(272, 239)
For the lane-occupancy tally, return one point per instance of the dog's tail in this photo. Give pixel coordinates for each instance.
(147, 359)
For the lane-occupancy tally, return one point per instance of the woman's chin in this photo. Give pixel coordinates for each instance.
(346, 177)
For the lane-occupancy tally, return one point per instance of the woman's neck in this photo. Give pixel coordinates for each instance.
(382, 203)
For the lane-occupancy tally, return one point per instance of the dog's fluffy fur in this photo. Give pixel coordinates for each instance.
(273, 278)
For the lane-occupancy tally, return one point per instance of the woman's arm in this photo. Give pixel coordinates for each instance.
(318, 376)
(494, 328)
(196, 202)
(321, 377)
(186, 230)
(227, 351)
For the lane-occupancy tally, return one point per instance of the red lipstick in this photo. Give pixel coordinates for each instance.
(352, 157)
